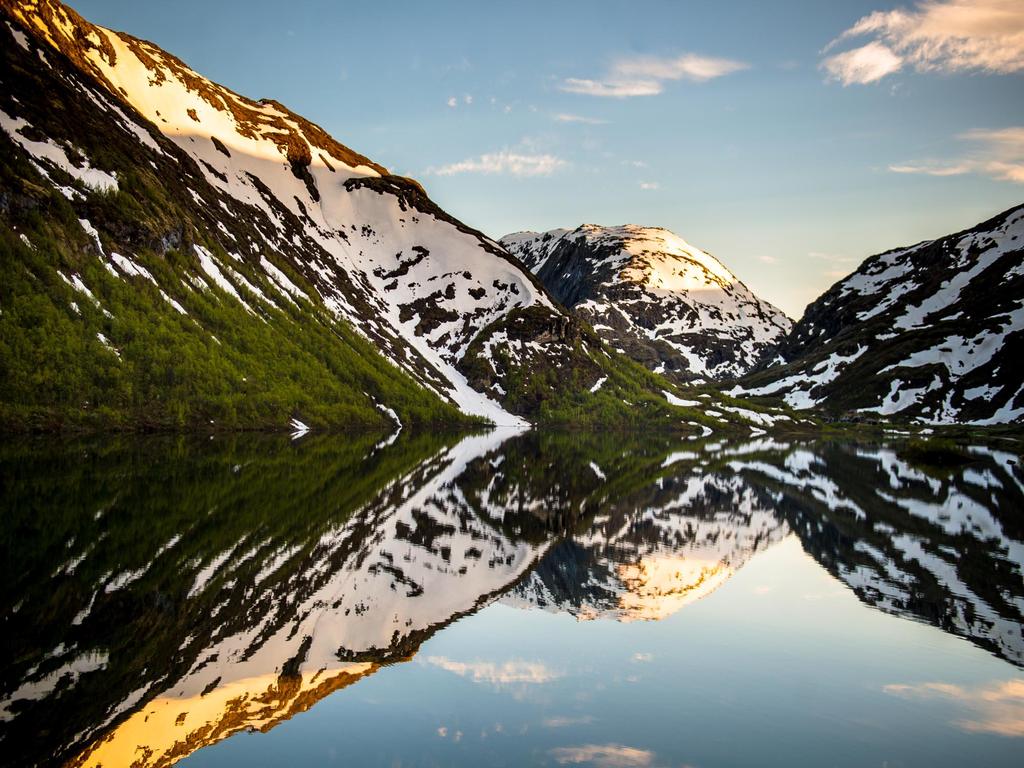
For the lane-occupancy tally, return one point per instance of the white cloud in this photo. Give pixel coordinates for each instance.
(453, 102)
(603, 756)
(646, 75)
(936, 35)
(468, 99)
(533, 672)
(862, 65)
(998, 154)
(932, 170)
(649, 185)
(504, 162)
(689, 66)
(768, 259)
(568, 118)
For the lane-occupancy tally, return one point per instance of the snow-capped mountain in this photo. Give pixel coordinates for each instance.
(932, 333)
(649, 293)
(186, 203)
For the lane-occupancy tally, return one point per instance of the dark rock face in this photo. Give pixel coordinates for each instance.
(932, 333)
(667, 305)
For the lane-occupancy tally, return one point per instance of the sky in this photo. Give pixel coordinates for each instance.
(790, 139)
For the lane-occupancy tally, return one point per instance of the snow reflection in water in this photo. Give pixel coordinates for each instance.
(166, 594)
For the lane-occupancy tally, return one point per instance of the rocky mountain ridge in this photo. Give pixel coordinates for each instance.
(930, 334)
(651, 295)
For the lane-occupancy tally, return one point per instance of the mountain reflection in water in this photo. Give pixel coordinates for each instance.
(163, 593)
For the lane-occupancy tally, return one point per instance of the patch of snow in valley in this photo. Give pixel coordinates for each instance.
(798, 388)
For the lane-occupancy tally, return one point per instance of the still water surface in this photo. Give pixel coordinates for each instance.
(510, 599)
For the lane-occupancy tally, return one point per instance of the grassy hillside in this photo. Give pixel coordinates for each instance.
(216, 365)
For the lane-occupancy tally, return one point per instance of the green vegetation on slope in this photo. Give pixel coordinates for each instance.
(217, 365)
(162, 369)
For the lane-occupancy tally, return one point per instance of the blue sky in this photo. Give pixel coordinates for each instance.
(735, 125)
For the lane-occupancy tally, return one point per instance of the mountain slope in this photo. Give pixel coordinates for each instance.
(185, 254)
(672, 307)
(931, 333)
(119, 302)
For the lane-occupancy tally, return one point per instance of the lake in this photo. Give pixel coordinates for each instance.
(509, 599)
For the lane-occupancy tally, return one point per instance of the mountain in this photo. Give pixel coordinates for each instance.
(648, 293)
(176, 254)
(932, 333)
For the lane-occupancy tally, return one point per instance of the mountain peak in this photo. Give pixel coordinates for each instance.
(180, 101)
(668, 304)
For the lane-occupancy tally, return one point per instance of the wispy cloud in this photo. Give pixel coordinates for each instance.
(564, 721)
(836, 258)
(500, 674)
(839, 264)
(453, 102)
(649, 185)
(504, 162)
(616, 89)
(998, 154)
(646, 75)
(564, 117)
(996, 708)
(603, 756)
(689, 66)
(936, 35)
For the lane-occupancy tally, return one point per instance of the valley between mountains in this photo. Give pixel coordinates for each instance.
(179, 256)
